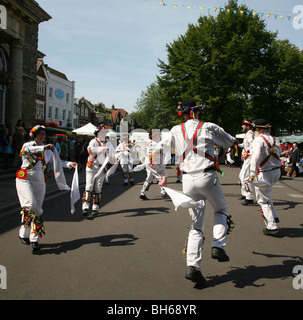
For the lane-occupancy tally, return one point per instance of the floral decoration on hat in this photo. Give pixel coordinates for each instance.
(183, 107)
(34, 129)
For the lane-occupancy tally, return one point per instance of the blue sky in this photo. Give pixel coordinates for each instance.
(110, 48)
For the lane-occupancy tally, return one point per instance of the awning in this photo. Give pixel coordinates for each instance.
(51, 130)
(292, 138)
(87, 130)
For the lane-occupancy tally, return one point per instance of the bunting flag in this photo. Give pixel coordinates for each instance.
(209, 10)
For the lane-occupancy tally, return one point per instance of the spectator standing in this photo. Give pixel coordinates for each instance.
(294, 159)
(6, 146)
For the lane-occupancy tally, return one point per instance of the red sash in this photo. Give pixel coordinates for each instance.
(272, 153)
(90, 163)
(191, 144)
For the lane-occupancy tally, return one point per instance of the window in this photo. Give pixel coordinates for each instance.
(40, 86)
(68, 117)
(51, 91)
(56, 113)
(67, 98)
(64, 115)
(39, 110)
(50, 112)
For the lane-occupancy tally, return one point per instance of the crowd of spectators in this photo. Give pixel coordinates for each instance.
(74, 148)
(69, 147)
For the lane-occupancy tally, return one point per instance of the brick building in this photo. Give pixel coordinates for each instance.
(19, 25)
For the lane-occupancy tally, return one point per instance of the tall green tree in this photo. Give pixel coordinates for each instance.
(237, 67)
(151, 112)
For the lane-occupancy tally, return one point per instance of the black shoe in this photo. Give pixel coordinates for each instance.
(85, 212)
(195, 276)
(272, 233)
(25, 241)
(247, 202)
(94, 212)
(35, 246)
(241, 198)
(218, 253)
(178, 181)
(143, 197)
(131, 182)
(277, 220)
(125, 183)
(165, 196)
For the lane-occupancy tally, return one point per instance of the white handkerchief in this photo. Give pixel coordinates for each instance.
(139, 167)
(179, 199)
(58, 172)
(75, 193)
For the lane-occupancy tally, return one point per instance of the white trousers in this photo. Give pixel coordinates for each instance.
(93, 186)
(148, 181)
(246, 186)
(263, 196)
(31, 193)
(204, 186)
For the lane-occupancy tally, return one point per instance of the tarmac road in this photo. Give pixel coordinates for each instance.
(133, 249)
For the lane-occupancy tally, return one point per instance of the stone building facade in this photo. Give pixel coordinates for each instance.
(20, 21)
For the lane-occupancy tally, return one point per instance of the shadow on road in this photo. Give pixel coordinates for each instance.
(253, 275)
(134, 212)
(104, 241)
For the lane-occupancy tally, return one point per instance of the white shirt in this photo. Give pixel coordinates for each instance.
(150, 146)
(29, 151)
(126, 151)
(98, 150)
(247, 141)
(208, 136)
(260, 151)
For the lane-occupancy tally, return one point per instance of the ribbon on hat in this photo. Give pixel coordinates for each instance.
(188, 109)
(34, 129)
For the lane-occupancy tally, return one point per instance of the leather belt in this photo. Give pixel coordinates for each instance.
(202, 171)
(276, 168)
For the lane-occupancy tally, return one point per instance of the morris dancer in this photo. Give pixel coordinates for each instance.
(30, 185)
(124, 152)
(266, 164)
(150, 146)
(247, 193)
(195, 141)
(99, 151)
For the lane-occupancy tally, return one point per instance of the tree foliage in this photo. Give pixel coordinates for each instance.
(235, 66)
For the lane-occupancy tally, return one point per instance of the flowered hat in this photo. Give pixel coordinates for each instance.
(34, 129)
(188, 106)
(101, 127)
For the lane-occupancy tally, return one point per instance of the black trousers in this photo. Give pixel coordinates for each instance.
(294, 168)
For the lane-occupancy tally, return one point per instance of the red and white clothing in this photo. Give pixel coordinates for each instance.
(265, 163)
(98, 151)
(125, 152)
(200, 180)
(30, 185)
(150, 146)
(246, 186)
